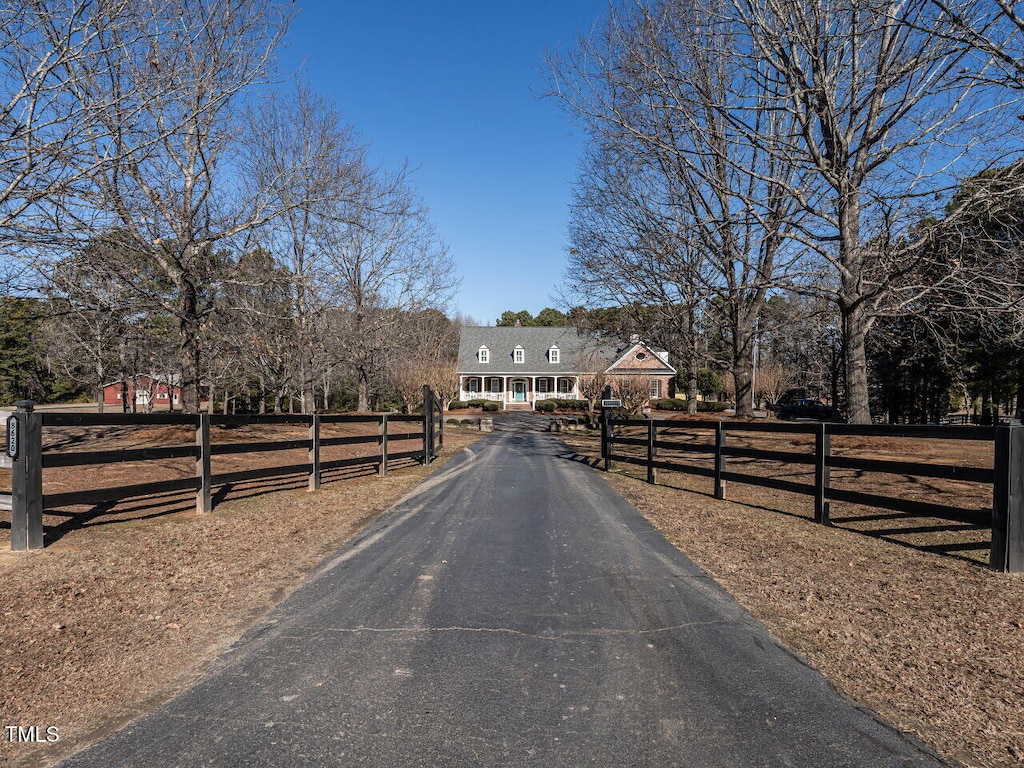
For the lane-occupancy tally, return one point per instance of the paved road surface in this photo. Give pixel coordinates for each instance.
(513, 612)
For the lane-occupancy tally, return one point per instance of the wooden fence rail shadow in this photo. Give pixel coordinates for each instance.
(645, 442)
(25, 429)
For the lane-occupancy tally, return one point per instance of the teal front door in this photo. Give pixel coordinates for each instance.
(519, 391)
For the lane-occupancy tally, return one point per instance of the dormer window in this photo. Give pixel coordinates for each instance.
(553, 355)
(518, 355)
(484, 355)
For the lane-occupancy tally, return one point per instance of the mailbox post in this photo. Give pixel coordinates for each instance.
(25, 447)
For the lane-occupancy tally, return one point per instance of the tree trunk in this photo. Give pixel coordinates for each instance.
(852, 309)
(743, 370)
(364, 391)
(191, 356)
(855, 330)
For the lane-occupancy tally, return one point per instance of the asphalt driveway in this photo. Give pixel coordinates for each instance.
(513, 611)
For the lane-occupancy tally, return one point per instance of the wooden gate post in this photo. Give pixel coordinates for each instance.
(25, 442)
(440, 425)
(719, 460)
(314, 453)
(428, 427)
(382, 439)
(1007, 553)
(606, 436)
(652, 432)
(204, 495)
(822, 473)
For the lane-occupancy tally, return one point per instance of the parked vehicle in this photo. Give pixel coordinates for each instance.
(805, 409)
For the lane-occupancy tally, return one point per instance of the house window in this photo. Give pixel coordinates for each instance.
(565, 386)
(518, 355)
(655, 387)
(474, 386)
(553, 355)
(495, 386)
(542, 386)
(484, 354)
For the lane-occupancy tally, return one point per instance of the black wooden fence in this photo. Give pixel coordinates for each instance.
(25, 445)
(1006, 476)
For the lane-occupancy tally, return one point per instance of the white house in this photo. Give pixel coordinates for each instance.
(519, 365)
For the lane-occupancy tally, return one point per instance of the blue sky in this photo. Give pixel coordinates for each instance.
(453, 88)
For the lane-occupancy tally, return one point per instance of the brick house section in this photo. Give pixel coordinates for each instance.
(640, 360)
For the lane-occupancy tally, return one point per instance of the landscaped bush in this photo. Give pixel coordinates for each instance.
(478, 402)
(457, 405)
(569, 405)
(670, 404)
(704, 406)
(491, 405)
(468, 423)
(454, 422)
(545, 406)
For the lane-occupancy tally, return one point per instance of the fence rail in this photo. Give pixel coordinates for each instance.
(25, 444)
(1006, 476)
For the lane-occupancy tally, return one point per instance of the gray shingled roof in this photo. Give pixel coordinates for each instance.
(502, 340)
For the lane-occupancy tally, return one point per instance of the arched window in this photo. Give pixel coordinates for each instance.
(518, 355)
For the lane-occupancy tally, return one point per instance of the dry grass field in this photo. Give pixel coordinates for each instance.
(899, 612)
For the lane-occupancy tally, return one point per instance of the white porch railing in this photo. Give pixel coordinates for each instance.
(468, 395)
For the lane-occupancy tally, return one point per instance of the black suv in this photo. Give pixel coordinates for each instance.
(805, 409)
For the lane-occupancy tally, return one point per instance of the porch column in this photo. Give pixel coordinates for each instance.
(461, 390)
(533, 391)
(504, 389)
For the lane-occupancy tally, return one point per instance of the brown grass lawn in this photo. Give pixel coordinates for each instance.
(133, 601)
(899, 612)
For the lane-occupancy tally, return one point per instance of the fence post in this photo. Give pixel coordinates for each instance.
(719, 460)
(314, 453)
(440, 425)
(1007, 553)
(382, 471)
(606, 436)
(652, 473)
(204, 496)
(428, 413)
(822, 473)
(25, 441)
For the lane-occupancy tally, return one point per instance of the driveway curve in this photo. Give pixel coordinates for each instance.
(513, 611)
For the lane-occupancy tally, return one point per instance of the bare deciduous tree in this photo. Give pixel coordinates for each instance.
(383, 263)
(168, 165)
(312, 163)
(885, 109)
(678, 206)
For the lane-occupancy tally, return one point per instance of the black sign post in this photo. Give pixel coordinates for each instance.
(25, 447)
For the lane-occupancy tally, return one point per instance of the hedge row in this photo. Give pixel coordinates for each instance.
(703, 406)
(487, 405)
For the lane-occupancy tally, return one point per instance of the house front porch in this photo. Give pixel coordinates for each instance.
(521, 390)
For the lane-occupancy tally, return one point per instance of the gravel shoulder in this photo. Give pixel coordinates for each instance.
(112, 620)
